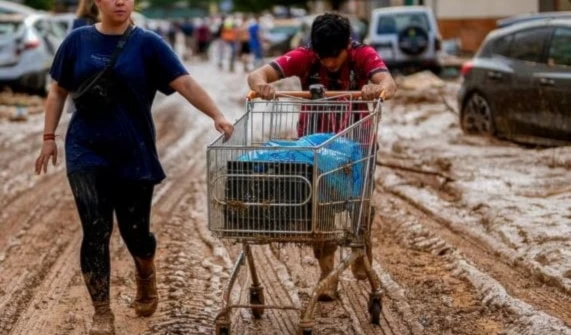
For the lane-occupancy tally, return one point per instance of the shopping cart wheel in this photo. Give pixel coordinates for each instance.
(223, 328)
(257, 298)
(375, 308)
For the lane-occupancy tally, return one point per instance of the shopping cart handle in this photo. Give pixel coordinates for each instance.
(307, 95)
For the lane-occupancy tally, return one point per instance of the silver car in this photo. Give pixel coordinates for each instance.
(28, 44)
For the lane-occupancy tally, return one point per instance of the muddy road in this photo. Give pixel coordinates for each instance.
(457, 251)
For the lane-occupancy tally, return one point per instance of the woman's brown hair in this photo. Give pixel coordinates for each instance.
(88, 10)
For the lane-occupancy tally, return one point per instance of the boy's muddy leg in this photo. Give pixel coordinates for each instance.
(358, 268)
(325, 254)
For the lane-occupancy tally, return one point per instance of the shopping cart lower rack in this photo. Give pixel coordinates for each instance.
(296, 170)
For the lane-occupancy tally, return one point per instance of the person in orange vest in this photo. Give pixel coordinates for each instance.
(229, 36)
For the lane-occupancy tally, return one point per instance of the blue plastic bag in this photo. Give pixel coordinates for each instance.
(340, 153)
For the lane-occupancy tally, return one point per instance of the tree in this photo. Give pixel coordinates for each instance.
(40, 4)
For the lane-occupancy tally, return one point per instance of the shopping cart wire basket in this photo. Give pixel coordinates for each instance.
(277, 181)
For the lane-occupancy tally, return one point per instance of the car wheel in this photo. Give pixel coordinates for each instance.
(476, 116)
(413, 40)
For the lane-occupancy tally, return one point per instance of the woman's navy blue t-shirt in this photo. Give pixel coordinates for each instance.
(122, 139)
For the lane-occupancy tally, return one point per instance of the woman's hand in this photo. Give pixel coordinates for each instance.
(224, 126)
(49, 149)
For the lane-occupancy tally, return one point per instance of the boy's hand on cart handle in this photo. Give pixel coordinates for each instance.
(373, 92)
(265, 91)
(224, 126)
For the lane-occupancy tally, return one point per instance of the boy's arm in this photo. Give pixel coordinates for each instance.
(260, 79)
(294, 63)
(382, 86)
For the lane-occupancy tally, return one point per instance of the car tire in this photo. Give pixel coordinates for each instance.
(413, 40)
(476, 116)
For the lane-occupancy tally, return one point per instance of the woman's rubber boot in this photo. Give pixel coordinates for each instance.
(325, 254)
(103, 319)
(147, 297)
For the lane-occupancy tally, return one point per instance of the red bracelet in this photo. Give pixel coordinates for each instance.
(49, 137)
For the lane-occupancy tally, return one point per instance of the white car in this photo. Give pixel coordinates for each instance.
(10, 7)
(407, 38)
(28, 44)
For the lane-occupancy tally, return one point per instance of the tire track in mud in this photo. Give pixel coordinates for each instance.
(17, 143)
(349, 314)
(518, 280)
(463, 298)
(44, 238)
(278, 291)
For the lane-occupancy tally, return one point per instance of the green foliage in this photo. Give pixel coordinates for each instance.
(40, 4)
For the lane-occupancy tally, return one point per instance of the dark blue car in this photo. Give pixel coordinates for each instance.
(518, 86)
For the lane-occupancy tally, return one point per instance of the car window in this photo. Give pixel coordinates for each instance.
(560, 49)
(9, 27)
(395, 23)
(57, 30)
(62, 25)
(501, 45)
(41, 27)
(528, 45)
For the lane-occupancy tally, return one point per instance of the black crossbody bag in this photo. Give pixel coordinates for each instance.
(97, 93)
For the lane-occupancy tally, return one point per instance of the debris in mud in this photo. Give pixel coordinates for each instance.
(423, 87)
(237, 205)
(17, 107)
(419, 81)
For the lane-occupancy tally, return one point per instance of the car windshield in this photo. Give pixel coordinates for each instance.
(395, 23)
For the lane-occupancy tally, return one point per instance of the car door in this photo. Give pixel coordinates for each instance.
(496, 76)
(42, 27)
(554, 83)
(527, 57)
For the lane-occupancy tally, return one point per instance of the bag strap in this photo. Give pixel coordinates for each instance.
(114, 56)
(119, 48)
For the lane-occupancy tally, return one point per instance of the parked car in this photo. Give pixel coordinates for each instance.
(64, 21)
(502, 23)
(27, 46)
(10, 7)
(518, 86)
(407, 38)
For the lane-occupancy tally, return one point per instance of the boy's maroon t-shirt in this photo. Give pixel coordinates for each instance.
(363, 60)
(362, 63)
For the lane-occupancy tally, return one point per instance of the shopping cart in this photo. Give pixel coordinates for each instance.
(278, 181)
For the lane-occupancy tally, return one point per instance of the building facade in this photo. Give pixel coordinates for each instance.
(467, 20)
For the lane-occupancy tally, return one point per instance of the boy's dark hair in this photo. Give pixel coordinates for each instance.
(330, 34)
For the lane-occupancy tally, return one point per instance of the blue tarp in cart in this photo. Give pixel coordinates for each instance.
(340, 153)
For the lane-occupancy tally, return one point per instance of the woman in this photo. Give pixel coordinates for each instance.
(111, 157)
(86, 14)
